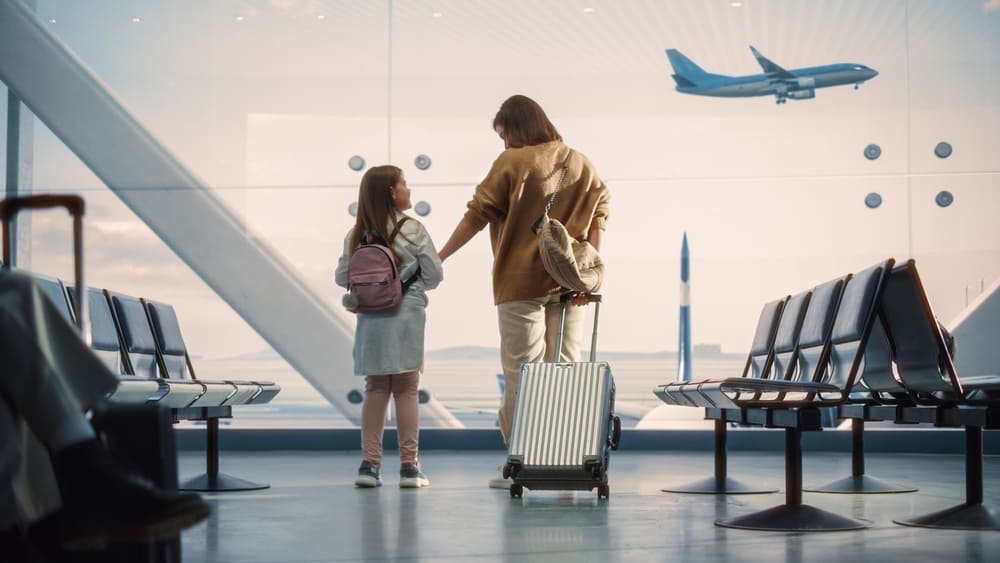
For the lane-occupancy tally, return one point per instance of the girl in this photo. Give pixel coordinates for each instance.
(389, 346)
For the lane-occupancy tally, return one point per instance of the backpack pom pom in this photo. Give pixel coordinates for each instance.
(350, 302)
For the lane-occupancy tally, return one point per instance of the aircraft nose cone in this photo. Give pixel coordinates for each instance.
(872, 73)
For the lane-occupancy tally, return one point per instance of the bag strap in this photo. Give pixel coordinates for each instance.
(367, 236)
(413, 278)
(552, 198)
(396, 229)
(406, 283)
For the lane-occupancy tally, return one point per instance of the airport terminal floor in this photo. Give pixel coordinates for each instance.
(313, 512)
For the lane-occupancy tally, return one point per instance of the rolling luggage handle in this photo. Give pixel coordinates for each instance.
(564, 299)
(10, 207)
(616, 423)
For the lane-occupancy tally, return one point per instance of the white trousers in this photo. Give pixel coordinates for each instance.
(528, 331)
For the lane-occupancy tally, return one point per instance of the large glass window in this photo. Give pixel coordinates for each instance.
(279, 107)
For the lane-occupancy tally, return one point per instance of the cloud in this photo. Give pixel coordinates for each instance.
(991, 6)
(120, 253)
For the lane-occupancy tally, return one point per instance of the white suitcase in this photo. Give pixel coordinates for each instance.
(564, 426)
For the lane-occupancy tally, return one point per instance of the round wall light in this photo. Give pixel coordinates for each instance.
(422, 208)
(942, 149)
(352, 209)
(355, 397)
(944, 198)
(873, 200)
(422, 162)
(873, 151)
(356, 163)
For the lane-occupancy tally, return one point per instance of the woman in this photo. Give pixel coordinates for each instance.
(510, 199)
(389, 346)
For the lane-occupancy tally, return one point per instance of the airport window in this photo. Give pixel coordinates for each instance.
(779, 191)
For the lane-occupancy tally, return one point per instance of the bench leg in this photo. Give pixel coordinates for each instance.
(858, 482)
(212, 480)
(970, 515)
(793, 516)
(720, 483)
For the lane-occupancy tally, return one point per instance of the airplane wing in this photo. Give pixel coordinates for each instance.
(770, 67)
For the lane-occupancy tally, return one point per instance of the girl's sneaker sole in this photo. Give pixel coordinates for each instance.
(413, 483)
(367, 482)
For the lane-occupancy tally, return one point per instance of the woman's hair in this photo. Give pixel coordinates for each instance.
(524, 122)
(375, 207)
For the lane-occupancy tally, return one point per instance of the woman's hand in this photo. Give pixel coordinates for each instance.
(579, 298)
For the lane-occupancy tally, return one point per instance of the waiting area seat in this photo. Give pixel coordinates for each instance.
(873, 351)
(104, 341)
(686, 394)
(819, 342)
(133, 360)
(165, 353)
(175, 361)
(140, 340)
(940, 396)
(141, 356)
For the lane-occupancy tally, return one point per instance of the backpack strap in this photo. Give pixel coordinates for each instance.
(392, 236)
(406, 283)
(396, 229)
(413, 278)
(371, 236)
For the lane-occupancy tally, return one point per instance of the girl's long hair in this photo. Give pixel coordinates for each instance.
(375, 208)
(524, 122)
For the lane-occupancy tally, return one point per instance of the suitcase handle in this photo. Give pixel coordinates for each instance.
(11, 206)
(616, 434)
(591, 297)
(564, 300)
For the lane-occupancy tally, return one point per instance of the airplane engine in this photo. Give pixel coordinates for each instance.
(805, 83)
(802, 94)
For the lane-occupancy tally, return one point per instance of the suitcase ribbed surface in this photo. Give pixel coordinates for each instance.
(561, 413)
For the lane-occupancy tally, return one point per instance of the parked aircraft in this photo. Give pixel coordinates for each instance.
(797, 84)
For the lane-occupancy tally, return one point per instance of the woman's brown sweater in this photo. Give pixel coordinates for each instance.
(511, 198)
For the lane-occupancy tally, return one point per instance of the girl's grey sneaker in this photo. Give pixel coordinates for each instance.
(368, 475)
(411, 477)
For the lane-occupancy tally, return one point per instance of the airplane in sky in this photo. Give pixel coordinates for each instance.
(797, 84)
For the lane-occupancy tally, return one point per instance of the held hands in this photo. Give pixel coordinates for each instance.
(579, 298)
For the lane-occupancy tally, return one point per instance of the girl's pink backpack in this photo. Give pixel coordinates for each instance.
(373, 280)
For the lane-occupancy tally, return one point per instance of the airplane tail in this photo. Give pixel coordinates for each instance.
(686, 72)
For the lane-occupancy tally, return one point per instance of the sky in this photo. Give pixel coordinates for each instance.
(267, 101)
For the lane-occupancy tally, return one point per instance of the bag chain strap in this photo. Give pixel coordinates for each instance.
(552, 198)
(548, 204)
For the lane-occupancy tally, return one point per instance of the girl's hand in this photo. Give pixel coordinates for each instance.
(579, 298)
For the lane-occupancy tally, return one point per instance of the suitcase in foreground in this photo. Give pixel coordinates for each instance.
(564, 426)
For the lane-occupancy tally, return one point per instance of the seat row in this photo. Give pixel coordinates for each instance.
(140, 340)
(865, 346)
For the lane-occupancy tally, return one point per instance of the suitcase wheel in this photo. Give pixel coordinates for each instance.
(516, 491)
(603, 491)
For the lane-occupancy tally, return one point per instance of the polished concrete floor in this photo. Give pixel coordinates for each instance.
(312, 512)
